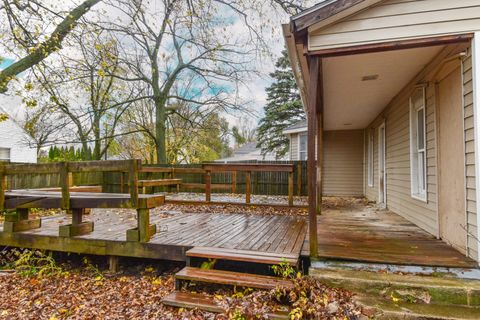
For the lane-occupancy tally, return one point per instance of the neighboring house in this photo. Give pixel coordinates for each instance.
(343, 154)
(397, 82)
(248, 152)
(14, 143)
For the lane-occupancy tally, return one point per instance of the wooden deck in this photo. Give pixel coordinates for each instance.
(366, 235)
(176, 233)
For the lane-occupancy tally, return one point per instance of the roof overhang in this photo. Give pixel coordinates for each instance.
(327, 12)
(296, 130)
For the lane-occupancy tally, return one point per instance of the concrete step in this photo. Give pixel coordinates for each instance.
(380, 308)
(439, 290)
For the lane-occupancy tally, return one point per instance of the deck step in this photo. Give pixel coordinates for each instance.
(243, 255)
(231, 278)
(191, 300)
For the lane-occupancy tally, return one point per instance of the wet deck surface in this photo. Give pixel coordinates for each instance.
(366, 235)
(176, 233)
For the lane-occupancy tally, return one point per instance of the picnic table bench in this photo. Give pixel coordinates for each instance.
(76, 202)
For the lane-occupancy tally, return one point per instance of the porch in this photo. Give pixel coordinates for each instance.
(347, 231)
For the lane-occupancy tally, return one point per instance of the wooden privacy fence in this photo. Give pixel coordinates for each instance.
(192, 178)
(248, 168)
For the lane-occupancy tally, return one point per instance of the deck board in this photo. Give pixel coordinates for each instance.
(382, 237)
(177, 232)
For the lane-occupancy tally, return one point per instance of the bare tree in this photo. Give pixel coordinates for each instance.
(44, 126)
(29, 36)
(86, 91)
(186, 45)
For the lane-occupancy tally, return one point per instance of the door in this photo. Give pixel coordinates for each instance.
(451, 158)
(382, 176)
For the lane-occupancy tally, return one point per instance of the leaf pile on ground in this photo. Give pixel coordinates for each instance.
(231, 208)
(40, 288)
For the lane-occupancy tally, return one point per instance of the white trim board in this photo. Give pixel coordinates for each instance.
(476, 117)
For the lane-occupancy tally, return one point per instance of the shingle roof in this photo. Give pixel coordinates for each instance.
(299, 125)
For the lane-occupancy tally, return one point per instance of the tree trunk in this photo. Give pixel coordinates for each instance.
(160, 118)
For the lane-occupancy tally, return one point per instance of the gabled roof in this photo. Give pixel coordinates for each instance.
(326, 10)
(300, 126)
(12, 120)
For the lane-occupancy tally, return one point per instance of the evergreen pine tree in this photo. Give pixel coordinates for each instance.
(284, 108)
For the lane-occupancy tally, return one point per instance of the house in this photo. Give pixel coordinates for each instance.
(248, 152)
(345, 158)
(14, 143)
(399, 82)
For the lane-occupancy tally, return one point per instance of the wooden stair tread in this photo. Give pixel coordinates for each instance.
(243, 255)
(232, 278)
(192, 300)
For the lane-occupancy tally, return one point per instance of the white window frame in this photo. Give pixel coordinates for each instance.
(370, 154)
(418, 155)
(9, 150)
(300, 145)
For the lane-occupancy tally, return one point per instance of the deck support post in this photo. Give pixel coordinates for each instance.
(113, 264)
(314, 108)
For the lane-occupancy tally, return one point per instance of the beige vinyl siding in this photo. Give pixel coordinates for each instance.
(343, 163)
(397, 123)
(472, 250)
(371, 192)
(394, 20)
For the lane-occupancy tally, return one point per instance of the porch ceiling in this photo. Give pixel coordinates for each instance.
(352, 103)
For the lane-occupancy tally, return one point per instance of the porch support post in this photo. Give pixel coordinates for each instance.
(319, 161)
(476, 117)
(313, 95)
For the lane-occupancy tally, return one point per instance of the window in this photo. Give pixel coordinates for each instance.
(370, 158)
(418, 156)
(302, 146)
(4, 155)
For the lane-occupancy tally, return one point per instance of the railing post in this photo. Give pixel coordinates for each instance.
(290, 188)
(208, 186)
(133, 179)
(248, 178)
(65, 185)
(234, 181)
(3, 186)
(299, 179)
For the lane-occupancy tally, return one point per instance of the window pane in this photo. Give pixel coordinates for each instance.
(4, 154)
(421, 129)
(303, 143)
(421, 172)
